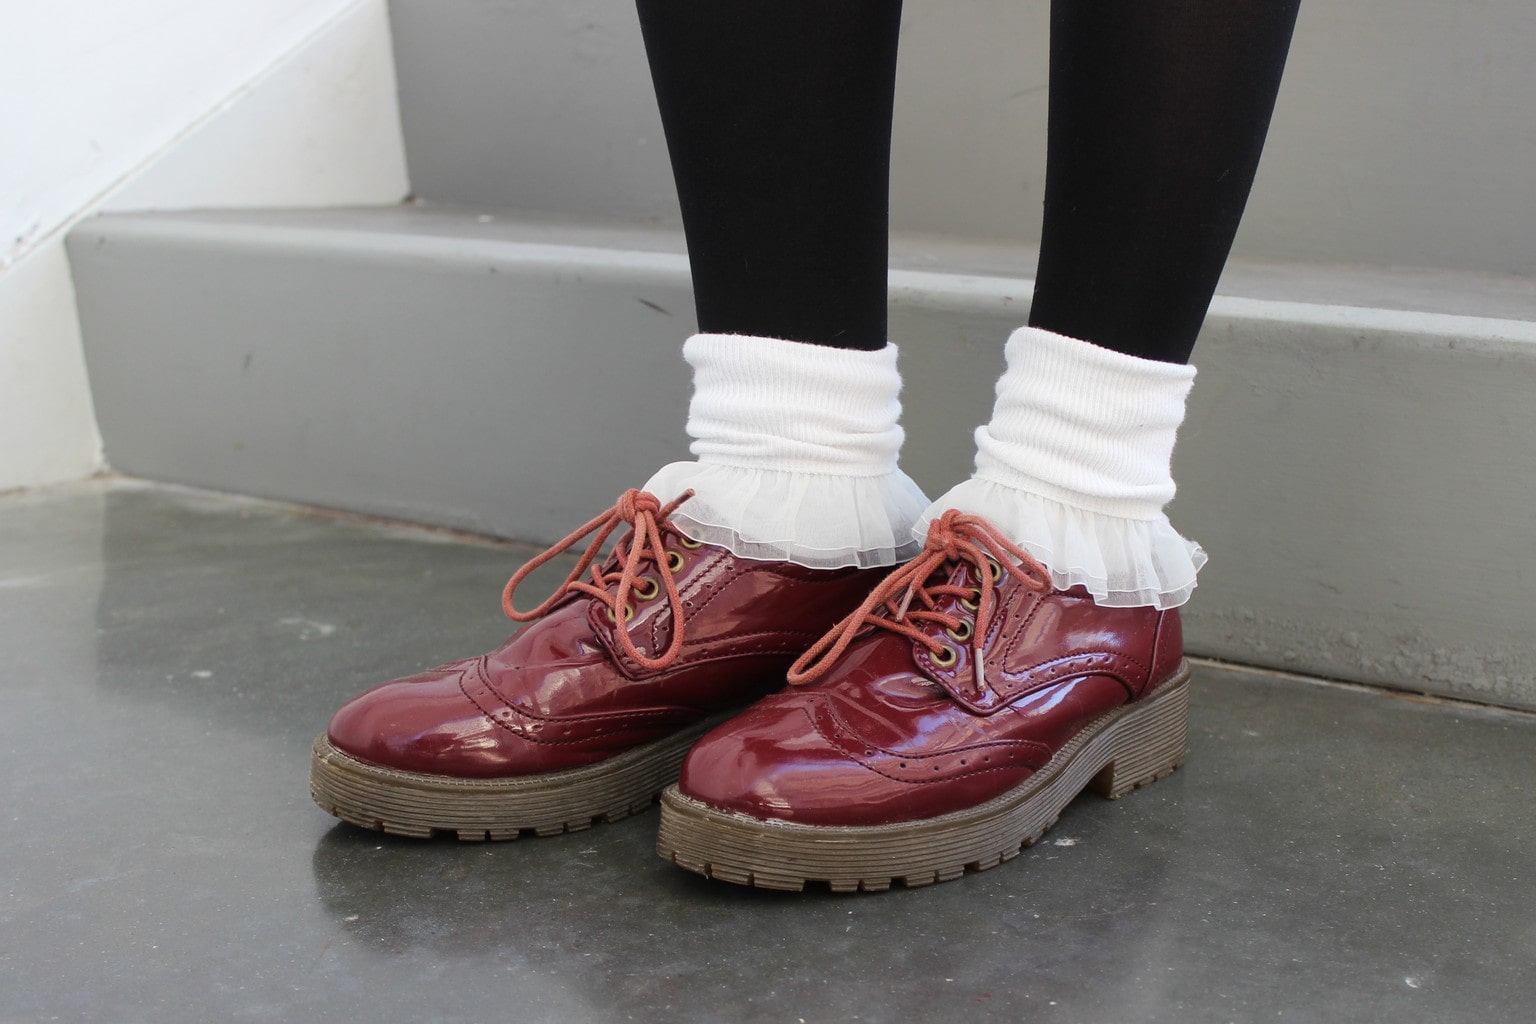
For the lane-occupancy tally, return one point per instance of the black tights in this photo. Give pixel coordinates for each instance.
(778, 121)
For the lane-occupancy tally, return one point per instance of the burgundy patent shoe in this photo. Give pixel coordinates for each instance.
(942, 726)
(586, 712)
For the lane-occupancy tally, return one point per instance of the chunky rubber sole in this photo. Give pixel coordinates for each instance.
(420, 805)
(1124, 749)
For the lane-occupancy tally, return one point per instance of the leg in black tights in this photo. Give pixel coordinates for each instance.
(777, 114)
(1158, 112)
(778, 121)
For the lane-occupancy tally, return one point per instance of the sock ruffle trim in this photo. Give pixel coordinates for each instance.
(818, 520)
(1122, 562)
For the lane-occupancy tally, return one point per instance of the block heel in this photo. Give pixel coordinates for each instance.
(1148, 743)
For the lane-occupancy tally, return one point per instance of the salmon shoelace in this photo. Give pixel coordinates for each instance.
(645, 515)
(953, 537)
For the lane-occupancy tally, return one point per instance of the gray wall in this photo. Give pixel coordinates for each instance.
(1363, 478)
(1357, 460)
(1403, 134)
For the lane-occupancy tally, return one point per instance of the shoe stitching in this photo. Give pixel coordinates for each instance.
(649, 715)
(1033, 746)
(1013, 684)
(1061, 668)
(709, 591)
(1018, 634)
(1157, 650)
(701, 599)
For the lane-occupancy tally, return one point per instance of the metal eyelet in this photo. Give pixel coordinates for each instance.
(629, 613)
(997, 568)
(652, 588)
(944, 657)
(689, 542)
(675, 562)
(973, 603)
(962, 632)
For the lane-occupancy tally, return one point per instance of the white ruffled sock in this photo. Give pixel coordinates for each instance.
(796, 450)
(1075, 468)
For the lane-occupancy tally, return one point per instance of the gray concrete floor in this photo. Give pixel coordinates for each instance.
(1327, 853)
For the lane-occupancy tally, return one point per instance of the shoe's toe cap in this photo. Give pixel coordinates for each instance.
(772, 762)
(423, 724)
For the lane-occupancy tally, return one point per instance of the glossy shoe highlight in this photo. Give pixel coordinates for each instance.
(942, 726)
(587, 711)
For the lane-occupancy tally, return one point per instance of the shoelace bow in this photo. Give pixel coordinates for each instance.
(955, 536)
(644, 513)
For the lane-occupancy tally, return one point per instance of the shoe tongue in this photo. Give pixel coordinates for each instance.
(957, 573)
(960, 570)
(950, 573)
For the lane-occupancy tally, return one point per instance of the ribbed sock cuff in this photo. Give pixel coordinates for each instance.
(796, 449)
(1084, 425)
(763, 403)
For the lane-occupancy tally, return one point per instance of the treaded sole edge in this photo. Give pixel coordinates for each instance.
(421, 805)
(1124, 749)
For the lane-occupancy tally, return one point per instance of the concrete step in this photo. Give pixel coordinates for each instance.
(1399, 136)
(1357, 457)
